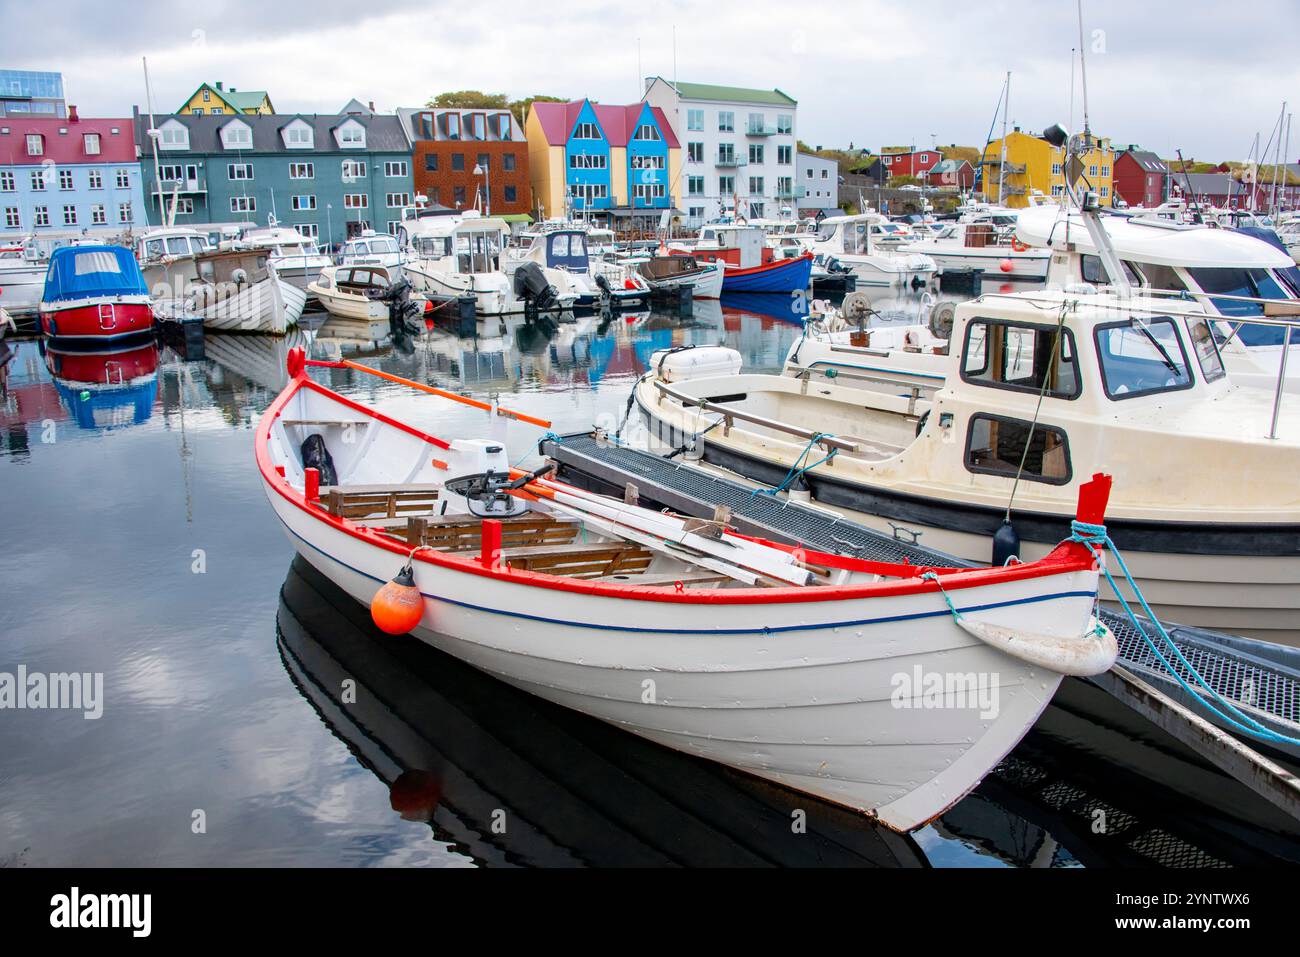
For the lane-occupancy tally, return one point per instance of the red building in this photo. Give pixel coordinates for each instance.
(952, 174)
(1141, 178)
(917, 163)
(447, 146)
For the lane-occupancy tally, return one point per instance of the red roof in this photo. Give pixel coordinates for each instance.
(618, 122)
(67, 147)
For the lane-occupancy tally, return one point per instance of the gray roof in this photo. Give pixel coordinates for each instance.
(384, 134)
(1148, 161)
(1209, 184)
(408, 114)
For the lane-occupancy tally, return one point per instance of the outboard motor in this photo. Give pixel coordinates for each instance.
(403, 314)
(482, 479)
(532, 286)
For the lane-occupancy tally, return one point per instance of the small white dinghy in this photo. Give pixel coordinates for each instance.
(891, 689)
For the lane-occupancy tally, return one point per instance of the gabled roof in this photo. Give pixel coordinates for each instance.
(384, 133)
(1210, 184)
(67, 147)
(618, 122)
(730, 94)
(356, 106)
(1147, 160)
(237, 100)
(948, 166)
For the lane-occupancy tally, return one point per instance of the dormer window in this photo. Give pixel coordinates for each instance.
(351, 135)
(586, 131)
(237, 136)
(451, 126)
(91, 143)
(298, 135)
(477, 125)
(173, 136)
(35, 144)
(646, 132)
(503, 126)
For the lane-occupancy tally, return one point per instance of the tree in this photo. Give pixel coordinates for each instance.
(469, 99)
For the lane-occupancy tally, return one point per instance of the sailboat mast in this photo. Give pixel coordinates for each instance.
(153, 138)
(1002, 163)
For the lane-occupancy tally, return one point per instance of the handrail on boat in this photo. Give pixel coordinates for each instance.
(432, 390)
(826, 441)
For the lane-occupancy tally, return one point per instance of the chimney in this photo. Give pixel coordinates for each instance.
(372, 106)
(72, 114)
(218, 84)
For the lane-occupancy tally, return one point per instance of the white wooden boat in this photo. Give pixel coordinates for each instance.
(849, 680)
(234, 291)
(668, 272)
(294, 258)
(349, 292)
(1206, 509)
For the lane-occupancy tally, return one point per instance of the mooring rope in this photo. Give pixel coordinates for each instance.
(796, 470)
(1093, 537)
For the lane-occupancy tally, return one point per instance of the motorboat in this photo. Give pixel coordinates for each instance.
(983, 239)
(1039, 388)
(561, 254)
(848, 240)
(95, 294)
(294, 258)
(749, 264)
(822, 673)
(372, 249)
(353, 292)
(22, 279)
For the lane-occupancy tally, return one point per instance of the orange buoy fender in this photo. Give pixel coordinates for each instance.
(398, 606)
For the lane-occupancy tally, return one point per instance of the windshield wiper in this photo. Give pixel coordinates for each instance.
(1164, 354)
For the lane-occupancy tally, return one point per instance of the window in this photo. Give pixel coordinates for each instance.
(308, 230)
(1206, 348)
(431, 162)
(7, 181)
(123, 179)
(1092, 170)
(696, 212)
(243, 204)
(1056, 169)
(785, 155)
(124, 214)
(695, 152)
(396, 168)
(1105, 170)
(924, 157)
(41, 215)
(354, 170)
(90, 143)
(726, 122)
(586, 131)
(398, 200)
(996, 445)
(648, 191)
(647, 162)
(168, 173)
(1058, 190)
(695, 119)
(207, 96)
(356, 201)
(239, 171)
(1255, 283)
(95, 179)
(484, 161)
(435, 196)
(507, 161)
(352, 136)
(511, 194)
(174, 136)
(451, 126)
(588, 161)
(236, 136)
(65, 179)
(304, 202)
(69, 215)
(785, 123)
(757, 123)
(503, 125)
(756, 152)
(727, 153)
(184, 206)
(458, 162)
(11, 217)
(97, 215)
(726, 185)
(756, 186)
(1020, 356)
(1141, 357)
(785, 186)
(1105, 191)
(35, 144)
(302, 171)
(458, 195)
(298, 136)
(695, 186)
(645, 132)
(38, 180)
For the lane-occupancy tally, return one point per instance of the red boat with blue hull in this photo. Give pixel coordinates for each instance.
(749, 263)
(779, 275)
(95, 294)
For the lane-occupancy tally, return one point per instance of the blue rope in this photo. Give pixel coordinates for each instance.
(1093, 536)
(931, 576)
(796, 470)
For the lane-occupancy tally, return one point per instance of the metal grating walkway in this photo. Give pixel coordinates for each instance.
(1261, 678)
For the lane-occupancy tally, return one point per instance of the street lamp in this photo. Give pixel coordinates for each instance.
(329, 225)
(480, 170)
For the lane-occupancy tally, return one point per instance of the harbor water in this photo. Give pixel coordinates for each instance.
(251, 715)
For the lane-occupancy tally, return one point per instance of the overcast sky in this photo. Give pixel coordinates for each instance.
(1195, 74)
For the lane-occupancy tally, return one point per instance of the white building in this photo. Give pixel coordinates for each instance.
(738, 148)
(817, 184)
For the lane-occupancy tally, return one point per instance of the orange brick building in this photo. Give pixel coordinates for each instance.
(447, 145)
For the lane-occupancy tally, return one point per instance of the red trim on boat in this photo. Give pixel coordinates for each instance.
(1066, 558)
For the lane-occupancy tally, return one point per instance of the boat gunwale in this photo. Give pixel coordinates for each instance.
(1067, 558)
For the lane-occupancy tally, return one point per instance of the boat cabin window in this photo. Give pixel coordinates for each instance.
(1020, 357)
(431, 248)
(1160, 277)
(1142, 357)
(1206, 349)
(1092, 271)
(995, 445)
(1256, 283)
(154, 249)
(477, 252)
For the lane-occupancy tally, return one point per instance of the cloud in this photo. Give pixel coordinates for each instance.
(872, 73)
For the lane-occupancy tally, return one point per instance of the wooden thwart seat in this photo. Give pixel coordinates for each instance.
(388, 501)
(464, 533)
(580, 561)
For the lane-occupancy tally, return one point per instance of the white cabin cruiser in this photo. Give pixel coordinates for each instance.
(352, 292)
(1041, 390)
(453, 257)
(294, 258)
(22, 279)
(372, 249)
(848, 241)
(984, 239)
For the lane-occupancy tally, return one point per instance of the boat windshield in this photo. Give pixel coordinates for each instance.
(1142, 357)
(1256, 283)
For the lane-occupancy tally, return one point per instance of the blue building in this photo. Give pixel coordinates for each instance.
(24, 92)
(328, 176)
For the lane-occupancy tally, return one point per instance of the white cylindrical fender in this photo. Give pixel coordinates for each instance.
(1088, 654)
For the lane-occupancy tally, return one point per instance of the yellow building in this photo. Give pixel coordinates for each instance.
(1034, 165)
(216, 99)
